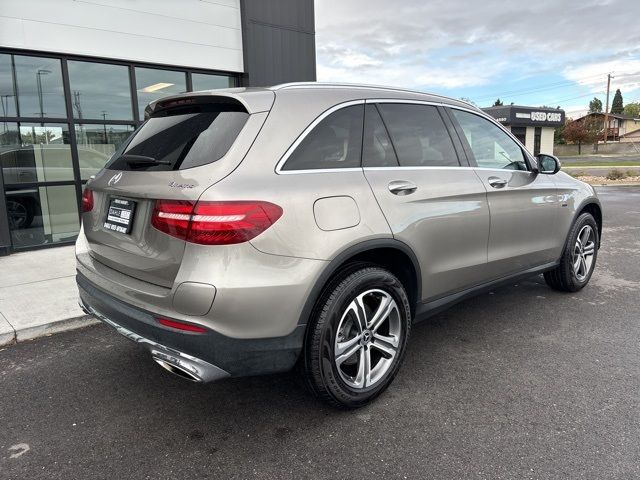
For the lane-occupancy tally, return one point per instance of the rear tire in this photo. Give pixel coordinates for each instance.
(579, 257)
(357, 337)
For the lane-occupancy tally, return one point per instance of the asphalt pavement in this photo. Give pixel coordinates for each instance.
(523, 382)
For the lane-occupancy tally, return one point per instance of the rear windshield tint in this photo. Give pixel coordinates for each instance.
(181, 139)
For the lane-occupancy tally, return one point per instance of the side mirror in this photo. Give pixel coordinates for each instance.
(548, 164)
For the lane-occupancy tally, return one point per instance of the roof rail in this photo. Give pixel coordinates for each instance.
(285, 86)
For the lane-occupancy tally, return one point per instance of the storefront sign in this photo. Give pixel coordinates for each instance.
(527, 116)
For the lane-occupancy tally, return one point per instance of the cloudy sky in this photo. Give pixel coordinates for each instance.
(530, 52)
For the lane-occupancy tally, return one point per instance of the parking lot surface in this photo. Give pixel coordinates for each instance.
(523, 382)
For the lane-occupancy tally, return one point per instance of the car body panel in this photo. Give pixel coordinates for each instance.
(524, 221)
(445, 222)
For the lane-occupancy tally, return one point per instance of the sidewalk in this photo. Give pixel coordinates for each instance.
(38, 294)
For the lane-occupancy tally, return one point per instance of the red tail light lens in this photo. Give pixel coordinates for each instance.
(215, 223)
(185, 327)
(87, 200)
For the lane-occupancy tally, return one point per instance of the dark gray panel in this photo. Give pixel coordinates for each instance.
(278, 41)
(5, 236)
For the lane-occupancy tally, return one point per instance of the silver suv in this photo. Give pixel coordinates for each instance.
(246, 231)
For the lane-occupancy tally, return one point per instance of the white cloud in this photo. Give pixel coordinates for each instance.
(458, 43)
(625, 72)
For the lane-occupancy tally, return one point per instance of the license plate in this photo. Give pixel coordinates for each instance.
(120, 215)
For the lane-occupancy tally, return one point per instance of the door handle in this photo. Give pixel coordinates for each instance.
(402, 187)
(496, 182)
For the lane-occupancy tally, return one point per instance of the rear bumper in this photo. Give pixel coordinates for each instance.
(202, 357)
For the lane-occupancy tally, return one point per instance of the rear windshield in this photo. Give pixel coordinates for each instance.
(181, 139)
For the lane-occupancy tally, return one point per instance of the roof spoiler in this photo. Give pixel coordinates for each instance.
(253, 100)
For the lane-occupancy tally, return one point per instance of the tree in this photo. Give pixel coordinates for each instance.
(498, 103)
(616, 105)
(558, 135)
(595, 105)
(584, 131)
(632, 109)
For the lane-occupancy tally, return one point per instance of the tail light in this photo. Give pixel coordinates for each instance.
(87, 200)
(214, 223)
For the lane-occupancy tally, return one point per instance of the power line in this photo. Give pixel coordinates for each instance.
(548, 86)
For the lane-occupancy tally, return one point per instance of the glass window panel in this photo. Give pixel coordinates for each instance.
(377, 150)
(492, 147)
(7, 92)
(40, 90)
(35, 152)
(96, 144)
(100, 91)
(336, 142)
(153, 84)
(419, 135)
(203, 81)
(42, 215)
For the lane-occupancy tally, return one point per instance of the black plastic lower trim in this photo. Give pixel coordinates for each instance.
(239, 357)
(425, 310)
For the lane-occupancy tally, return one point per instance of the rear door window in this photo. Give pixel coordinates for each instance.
(419, 135)
(181, 139)
(336, 142)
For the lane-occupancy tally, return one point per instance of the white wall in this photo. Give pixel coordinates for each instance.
(546, 140)
(191, 33)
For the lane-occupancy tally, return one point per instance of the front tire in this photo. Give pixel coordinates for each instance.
(357, 337)
(579, 258)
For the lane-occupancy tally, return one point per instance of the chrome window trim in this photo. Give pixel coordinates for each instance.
(306, 132)
(349, 103)
(440, 167)
(366, 169)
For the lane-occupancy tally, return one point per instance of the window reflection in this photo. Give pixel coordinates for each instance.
(32, 153)
(40, 90)
(7, 92)
(41, 215)
(152, 84)
(203, 81)
(100, 91)
(96, 144)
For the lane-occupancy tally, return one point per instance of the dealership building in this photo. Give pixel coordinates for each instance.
(533, 126)
(75, 78)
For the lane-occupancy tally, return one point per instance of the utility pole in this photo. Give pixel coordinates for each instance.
(606, 110)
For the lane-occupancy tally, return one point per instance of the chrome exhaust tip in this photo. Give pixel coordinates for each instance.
(176, 370)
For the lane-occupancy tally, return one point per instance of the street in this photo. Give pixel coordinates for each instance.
(522, 382)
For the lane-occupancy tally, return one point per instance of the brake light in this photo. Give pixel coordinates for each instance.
(214, 223)
(186, 327)
(87, 200)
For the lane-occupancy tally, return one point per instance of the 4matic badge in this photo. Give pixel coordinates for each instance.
(181, 185)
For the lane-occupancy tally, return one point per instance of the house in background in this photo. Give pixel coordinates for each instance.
(620, 127)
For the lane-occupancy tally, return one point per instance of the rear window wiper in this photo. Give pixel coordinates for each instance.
(142, 160)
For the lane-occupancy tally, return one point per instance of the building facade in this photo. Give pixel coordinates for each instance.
(534, 127)
(75, 78)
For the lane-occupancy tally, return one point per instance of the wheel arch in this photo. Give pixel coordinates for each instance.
(394, 255)
(593, 207)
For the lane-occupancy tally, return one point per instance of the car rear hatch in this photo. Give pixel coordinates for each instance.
(187, 144)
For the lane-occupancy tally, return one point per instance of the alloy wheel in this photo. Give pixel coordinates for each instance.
(583, 252)
(368, 339)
